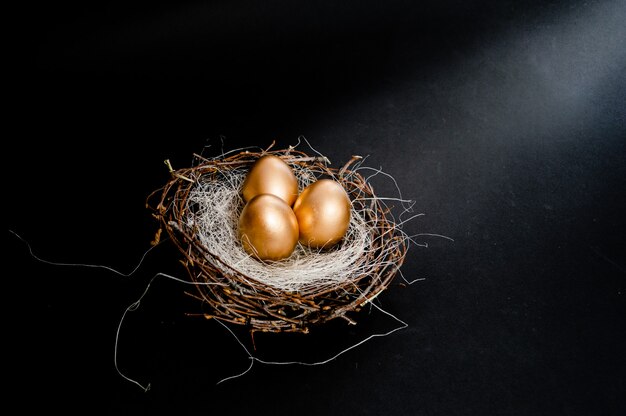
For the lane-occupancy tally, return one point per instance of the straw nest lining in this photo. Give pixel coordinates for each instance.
(199, 208)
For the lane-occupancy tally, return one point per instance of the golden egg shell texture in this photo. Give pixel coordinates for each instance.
(270, 175)
(323, 213)
(268, 228)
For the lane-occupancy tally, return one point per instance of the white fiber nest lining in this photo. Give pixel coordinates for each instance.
(214, 206)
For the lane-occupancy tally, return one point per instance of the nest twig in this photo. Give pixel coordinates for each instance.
(240, 299)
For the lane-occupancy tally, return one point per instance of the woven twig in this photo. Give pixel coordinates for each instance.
(242, 300)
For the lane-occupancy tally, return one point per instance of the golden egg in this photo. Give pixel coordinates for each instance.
(268, 228)
(323, 212)
(270, 175)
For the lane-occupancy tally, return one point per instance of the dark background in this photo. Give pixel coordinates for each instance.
(505, 122)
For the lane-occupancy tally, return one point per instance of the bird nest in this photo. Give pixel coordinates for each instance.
(199, 208)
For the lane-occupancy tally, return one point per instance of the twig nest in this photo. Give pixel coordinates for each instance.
(322, 279)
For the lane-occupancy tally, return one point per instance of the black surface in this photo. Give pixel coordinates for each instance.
(505, 122)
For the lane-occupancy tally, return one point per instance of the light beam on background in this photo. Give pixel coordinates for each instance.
(550, 77)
